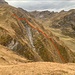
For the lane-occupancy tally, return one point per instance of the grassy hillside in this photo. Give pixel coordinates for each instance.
(24, 40)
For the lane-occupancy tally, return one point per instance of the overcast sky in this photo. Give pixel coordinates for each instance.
(51, 5)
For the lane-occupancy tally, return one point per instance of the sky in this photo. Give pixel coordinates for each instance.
(41, 5)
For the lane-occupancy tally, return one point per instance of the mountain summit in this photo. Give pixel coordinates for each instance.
(3, 2)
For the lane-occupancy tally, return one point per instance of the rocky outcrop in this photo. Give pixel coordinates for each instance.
(66, 23)
(3, 2)
(43, 15)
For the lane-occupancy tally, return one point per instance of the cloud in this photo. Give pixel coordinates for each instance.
(52, 5)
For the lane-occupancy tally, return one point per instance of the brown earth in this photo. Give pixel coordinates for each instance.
(17, 52)
(61, 24)
(28, 42)
(38, 68)
(9, 57)
(13, 64)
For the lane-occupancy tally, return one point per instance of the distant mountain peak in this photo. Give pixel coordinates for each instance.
(3, 2)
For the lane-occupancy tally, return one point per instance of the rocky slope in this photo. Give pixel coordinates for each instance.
(66, 23)
(62, 25)
(42, 15)
(64, 20)
(8, 57)
(22, 42)
(65, 27)
(3, 2)
(30, 42)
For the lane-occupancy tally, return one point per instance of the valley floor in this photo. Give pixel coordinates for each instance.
(38, 68)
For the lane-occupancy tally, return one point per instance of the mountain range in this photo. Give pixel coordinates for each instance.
(36, 36)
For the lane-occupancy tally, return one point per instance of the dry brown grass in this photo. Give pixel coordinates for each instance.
(9, 57)
(38, 68)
